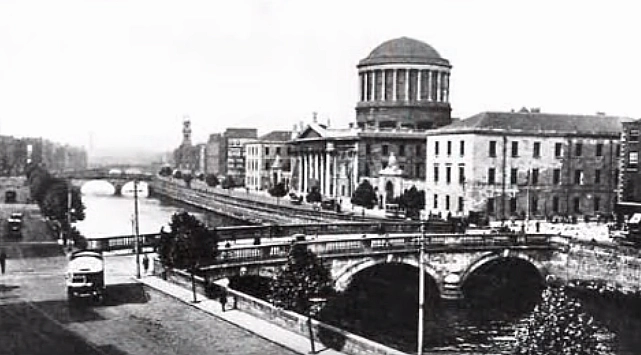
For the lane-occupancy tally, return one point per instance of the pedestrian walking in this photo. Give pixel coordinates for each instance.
(145, 263)
(223, 299)
(3, 260)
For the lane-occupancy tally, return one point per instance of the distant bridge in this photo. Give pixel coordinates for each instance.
(116, 178)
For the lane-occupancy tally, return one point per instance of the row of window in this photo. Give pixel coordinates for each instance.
(254, 164)
(514, 149)
(402, 150)
(532, 177)
(535, 208)
(253, 150)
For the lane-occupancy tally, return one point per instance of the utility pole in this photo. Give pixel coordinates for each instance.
(136, 230)
(421, 289)
(68, 213)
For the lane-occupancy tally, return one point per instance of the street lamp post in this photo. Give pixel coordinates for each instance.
(312, 302)
(136, 229)
(421, 289)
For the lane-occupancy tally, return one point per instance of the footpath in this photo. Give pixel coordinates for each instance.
(255, 325)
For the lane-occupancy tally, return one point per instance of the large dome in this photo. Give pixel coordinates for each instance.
(404, 50)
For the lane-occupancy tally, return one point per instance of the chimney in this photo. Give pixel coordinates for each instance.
(351, 125)
(314, 117)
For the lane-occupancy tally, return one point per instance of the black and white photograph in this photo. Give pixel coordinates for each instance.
(267, 177)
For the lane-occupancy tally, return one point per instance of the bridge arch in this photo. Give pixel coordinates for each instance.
(344, 276)
(494, 256)
(97, 187)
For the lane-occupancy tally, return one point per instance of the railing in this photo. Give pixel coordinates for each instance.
(371, 245)
(239, 233)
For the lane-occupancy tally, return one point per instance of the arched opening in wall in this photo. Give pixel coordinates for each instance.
(504, 287)
(253, 285)
(389, 192)
(381, 303)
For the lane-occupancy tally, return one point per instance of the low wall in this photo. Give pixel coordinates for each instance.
(329, 336)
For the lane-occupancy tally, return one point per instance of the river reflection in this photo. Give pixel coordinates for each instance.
(109, 215)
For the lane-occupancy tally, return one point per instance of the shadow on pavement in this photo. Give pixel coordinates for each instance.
(39, 329)
(7, 288)
(125, 293)
(26, 251)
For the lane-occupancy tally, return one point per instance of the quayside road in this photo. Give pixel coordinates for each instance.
(36, 318)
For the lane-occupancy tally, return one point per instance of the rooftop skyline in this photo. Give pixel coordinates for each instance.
(123, 74)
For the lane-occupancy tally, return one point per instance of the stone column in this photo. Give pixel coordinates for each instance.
(372, 85)
(321, 173)
(365, 85)
(361, 87)
(394, 83)
(299, 162)
(447, 87)
(439, 87)
(418, 85)
(354, 171)
(335, 162)
(383, 91)
(429, 85)
(407, 85)
(328, 176)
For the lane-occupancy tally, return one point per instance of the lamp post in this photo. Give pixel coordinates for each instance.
(136, 229)
(312, 303)
(421, 289)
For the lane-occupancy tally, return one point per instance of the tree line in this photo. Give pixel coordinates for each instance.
(51, 194)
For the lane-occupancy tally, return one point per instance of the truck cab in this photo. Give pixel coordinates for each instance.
(85, 276)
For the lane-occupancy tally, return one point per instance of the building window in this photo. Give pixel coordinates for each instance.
(492, 149)
(448, 174)
(462, 148)
(578, 177)
(599, 149)
(513, 205)
(633, 160)
(578, 149)
(401, 150)
(617, 150)
(436, 173)
(490, 205)
(597, 176)
(616, 177)
(385, 150)
(368, 149)
(461, 174)
(278, 150)
(418, 150)
(436, 148)
(537, 150)
(515, 149)
(266, 150)
(514, 173)
(461, 204)
(634, 135)
(491, 176)
(597, 204)
(558, 150)
(534, 205)
(556, 176)
(449, 148)
(435, 201)
(577, 205)
(447, 202)
(555, 204)
(535, 176)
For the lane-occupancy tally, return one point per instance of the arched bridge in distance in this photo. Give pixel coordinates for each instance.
(356, 250)
(117, 177)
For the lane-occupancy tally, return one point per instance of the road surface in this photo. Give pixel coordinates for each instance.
(36, 318)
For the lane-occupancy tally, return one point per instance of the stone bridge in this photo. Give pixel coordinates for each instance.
(116, 179)
(449, 259)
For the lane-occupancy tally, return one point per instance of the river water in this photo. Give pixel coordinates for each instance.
(451, 329)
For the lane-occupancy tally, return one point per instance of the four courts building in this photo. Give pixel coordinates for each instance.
(404, 91)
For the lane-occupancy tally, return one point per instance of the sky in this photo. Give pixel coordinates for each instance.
(122, 74)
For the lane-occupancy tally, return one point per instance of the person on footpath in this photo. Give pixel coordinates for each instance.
(223, 299)
(145, 263)
(3, 260)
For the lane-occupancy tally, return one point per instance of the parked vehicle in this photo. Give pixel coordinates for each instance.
(329, 204)
(14, 224)
(295, 199)
(86, 275)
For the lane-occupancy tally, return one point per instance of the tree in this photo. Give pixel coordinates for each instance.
(187, 177)
(165, 171)
(178, 174)
(364, 195)
(211, 180)
(301, 278)
(188, 244)
(39, 181)
(55, 202)
(314, 195)
(558, 325)
(228, 182)
(413, 201)
(278, 191)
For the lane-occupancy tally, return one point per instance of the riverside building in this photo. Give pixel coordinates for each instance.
(527, 164)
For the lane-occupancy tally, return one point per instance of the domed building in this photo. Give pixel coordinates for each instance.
(404, 83)
(404, 91)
